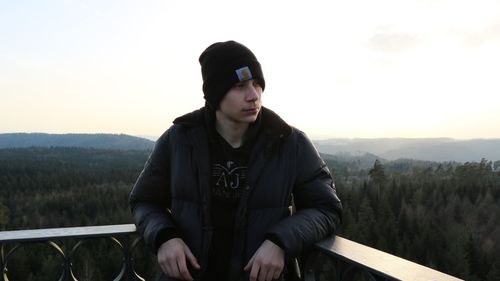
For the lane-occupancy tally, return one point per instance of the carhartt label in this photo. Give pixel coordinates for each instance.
(244, 73)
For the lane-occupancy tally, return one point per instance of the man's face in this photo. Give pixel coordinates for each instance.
(242, 103)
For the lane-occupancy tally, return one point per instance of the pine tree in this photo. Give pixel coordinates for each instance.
(4, 216)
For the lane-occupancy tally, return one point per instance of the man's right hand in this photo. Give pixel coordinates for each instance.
(172, 256)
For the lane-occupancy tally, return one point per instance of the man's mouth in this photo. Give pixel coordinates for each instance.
(253, 109)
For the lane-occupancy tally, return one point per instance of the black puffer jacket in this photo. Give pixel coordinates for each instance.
(173, 191)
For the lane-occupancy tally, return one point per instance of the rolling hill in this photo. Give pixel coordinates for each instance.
(100, 141)
(364, 150)
(431, 149)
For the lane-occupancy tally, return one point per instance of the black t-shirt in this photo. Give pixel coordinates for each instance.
(229, 168)
(229, 174)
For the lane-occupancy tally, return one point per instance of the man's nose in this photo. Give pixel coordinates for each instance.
(252, 93)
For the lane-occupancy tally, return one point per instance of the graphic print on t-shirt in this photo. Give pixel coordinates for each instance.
(227, 180)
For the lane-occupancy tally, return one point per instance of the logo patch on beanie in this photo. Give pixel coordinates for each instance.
(244, 73)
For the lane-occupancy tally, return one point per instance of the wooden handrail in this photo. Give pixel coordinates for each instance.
(378, 262)
(66, 232)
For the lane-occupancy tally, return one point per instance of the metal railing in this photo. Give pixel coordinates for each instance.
(335, 258)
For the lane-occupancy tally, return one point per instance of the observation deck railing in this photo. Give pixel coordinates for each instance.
(335, 258)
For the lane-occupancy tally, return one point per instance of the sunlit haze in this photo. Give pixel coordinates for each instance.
(363, 68)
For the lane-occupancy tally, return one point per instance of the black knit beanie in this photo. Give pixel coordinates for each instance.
(224, 64)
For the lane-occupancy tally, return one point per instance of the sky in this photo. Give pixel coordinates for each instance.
(334, 69)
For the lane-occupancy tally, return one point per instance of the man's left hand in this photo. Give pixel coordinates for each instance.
(267, 263)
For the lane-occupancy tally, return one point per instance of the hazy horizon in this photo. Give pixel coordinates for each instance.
(362, 69)
(154, 138)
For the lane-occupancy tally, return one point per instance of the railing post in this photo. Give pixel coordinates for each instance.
(67, 274)
(1, 261)
(6, 253)
(129, 273)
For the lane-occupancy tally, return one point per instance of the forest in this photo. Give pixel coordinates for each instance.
(444, 215)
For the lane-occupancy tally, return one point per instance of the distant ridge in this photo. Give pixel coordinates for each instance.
(426, 149)
(99, 141)
(363, 151)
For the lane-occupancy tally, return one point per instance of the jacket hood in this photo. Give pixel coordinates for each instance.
(271, 123)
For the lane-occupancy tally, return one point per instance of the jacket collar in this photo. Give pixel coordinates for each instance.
(271, 124)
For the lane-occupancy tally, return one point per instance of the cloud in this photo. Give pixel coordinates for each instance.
(478, 38)
(393, 42)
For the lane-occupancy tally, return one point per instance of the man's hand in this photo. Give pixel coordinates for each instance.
(267, 263)
(172, 257)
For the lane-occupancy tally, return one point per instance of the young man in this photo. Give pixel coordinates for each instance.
(213, 200)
